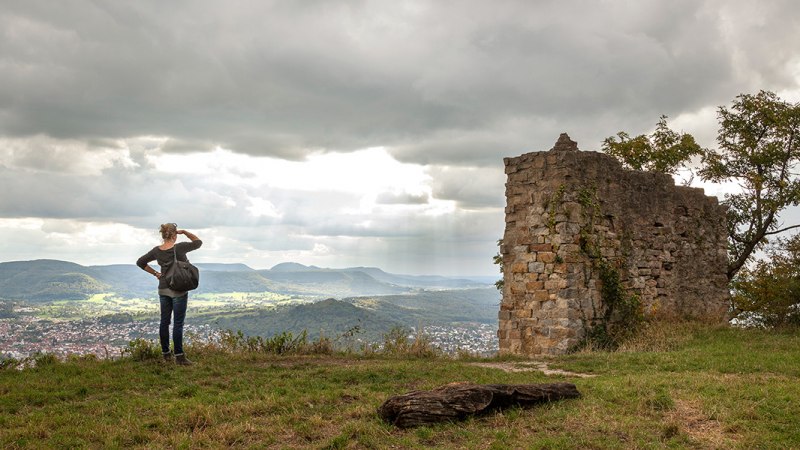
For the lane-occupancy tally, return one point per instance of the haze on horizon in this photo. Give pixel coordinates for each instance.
(340, 133)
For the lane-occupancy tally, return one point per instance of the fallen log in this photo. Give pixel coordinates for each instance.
(459, 400)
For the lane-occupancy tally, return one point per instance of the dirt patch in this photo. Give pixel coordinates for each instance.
(689, 417)
(532, 366)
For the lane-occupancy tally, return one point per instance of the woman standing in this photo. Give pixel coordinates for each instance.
(172, 302)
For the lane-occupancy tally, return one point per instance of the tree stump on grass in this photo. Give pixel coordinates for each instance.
(458, 400)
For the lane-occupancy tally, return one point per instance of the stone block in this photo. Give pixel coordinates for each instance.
(568, 228)
(523, 314)
(534, 286)
(558, 333)
(570, 293)
(541, 247)
(570, 248)
(573, 211)
(546, 257)
(519, 277)
(540, 231)
(519, 267)
(552, 285)
(536, 267)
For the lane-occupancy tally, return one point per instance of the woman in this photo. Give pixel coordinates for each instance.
(171, 301)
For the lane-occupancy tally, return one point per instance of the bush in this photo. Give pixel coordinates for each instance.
(768, 292)
(142, 350)
(280, 344)
(397, 342)
(73, 358)
(10, 363)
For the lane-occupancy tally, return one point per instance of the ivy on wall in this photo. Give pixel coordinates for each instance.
(622, 315)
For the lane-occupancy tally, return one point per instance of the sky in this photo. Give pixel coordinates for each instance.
(340, 133)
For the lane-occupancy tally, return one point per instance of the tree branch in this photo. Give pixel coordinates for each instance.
(782, 230)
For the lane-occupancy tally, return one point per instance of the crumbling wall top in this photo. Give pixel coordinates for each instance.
(564, 143)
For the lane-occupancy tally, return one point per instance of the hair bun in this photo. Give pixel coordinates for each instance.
(168, 231)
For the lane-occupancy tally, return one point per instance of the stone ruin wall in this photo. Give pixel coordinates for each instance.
(668, 242)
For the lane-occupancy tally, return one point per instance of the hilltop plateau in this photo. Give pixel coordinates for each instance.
(681, 386)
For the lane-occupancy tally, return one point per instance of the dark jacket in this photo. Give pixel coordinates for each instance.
(166, 257)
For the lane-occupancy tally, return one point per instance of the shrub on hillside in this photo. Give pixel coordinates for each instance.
(280, 344)
(399, 342)
(142, 350)
(10, 363)
(768, 292)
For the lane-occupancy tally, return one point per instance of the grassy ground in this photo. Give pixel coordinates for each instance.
(690, 387)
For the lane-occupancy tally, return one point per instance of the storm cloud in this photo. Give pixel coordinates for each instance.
(127, 114)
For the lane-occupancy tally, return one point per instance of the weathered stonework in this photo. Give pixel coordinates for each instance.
(668, 243)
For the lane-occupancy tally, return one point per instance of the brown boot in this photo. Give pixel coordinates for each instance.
(182, 360)
(167, 357)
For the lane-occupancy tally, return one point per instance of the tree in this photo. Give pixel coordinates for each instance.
(768, 292)
(664, 151)
(758, 149)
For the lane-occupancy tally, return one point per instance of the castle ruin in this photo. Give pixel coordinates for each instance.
(567, 211)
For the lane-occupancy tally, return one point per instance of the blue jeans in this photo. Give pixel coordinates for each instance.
(168, 306)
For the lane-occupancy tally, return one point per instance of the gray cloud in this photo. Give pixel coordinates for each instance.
(275, 78)
(472, 188)
(90, 90)
(388, 198)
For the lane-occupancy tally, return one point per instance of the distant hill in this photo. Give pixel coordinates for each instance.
(336, 283)
(373, 315)
(428, 281)
(221, 267)
(329, 317)
(292, 267)
(412, 281)
(435, 307)
(45, 280)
